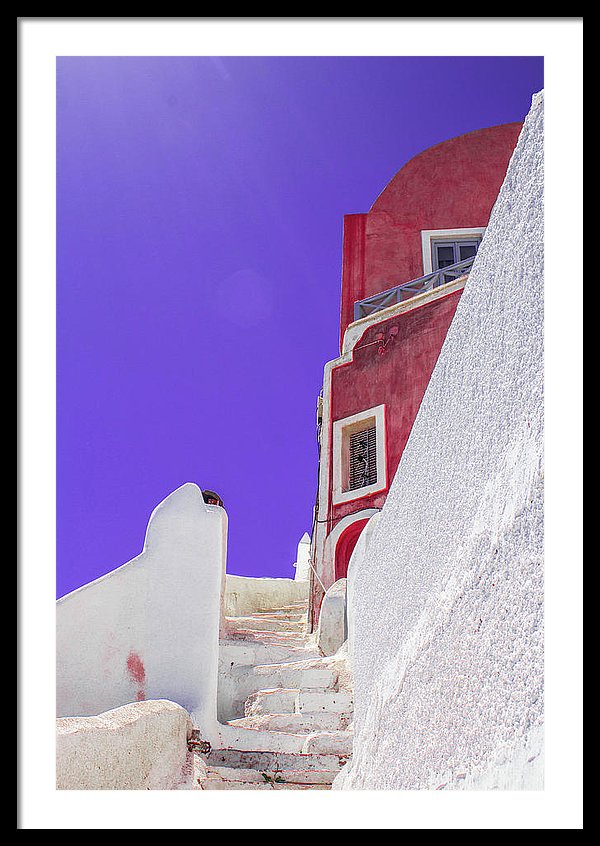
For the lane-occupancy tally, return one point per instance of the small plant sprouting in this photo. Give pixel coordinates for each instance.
(273, 779)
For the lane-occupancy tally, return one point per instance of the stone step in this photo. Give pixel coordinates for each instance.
(235, 652)
(278, 700)
(303, 777)
(292, 675)
(277, 624)
(270, 638)
(270, 762)
(293, 723)
(333, 702)
(294, 612)
(329, 743)
(240, 677)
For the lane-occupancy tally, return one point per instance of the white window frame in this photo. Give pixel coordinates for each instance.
(342, 429)
(429, 235)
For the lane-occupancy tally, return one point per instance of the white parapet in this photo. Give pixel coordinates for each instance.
(150, 629)
(301, 564)
(141, 746)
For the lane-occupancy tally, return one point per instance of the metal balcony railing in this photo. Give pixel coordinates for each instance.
(399, 293)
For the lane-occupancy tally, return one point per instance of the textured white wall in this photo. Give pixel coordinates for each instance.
(141, 746)
(150, 629)
(447, 601)
(356, 562)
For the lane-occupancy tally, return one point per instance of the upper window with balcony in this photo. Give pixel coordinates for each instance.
(446, 247)
(446, 253)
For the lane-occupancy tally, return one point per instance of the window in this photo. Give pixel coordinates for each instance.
(359, 465)
(446, 253)
(445, 247)
(362, 469)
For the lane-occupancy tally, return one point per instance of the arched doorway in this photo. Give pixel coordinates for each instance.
(345, 547)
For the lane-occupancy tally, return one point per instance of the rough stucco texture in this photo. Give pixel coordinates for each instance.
(447, 597)
(141, 746)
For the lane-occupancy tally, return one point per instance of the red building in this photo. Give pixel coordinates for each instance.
(404, 266)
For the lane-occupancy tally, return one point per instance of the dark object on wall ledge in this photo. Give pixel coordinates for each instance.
(212, 498)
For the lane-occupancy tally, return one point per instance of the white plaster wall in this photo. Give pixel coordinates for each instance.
(141, 746)
(333, 628)
(150, 629)
(245, 596)
(301, 565)
(447, 604)
(354, 567)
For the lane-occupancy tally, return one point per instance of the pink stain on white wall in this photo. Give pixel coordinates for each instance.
(137, 673)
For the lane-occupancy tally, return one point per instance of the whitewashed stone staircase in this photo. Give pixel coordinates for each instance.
(294, 707)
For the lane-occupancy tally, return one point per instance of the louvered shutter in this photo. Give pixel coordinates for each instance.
(363, 458)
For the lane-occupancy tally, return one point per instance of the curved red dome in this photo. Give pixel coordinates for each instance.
(452, 185)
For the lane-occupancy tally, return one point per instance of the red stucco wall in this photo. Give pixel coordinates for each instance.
(450, 186)
(398, 377)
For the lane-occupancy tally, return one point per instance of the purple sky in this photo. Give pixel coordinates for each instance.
(199, 216)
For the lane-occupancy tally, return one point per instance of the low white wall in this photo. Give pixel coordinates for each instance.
(332, 631)
(141, 746)
(150, 629)
(245, 596)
